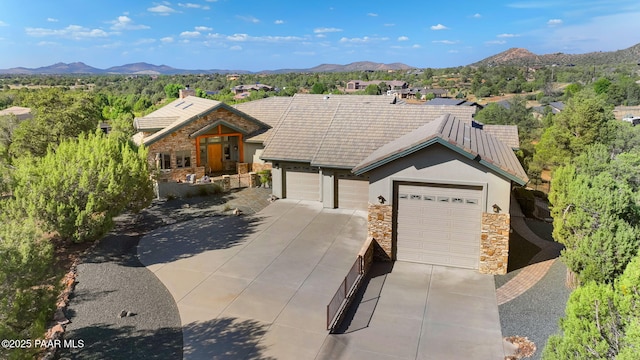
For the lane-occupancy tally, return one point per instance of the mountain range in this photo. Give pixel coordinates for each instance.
(150, 69)
(513, 56)
(523, 57)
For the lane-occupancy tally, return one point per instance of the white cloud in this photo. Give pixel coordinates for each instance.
(161, 10)
(446, 42)
(453, 51)
(236, 48)
(439, 27)
(321, 36)
(388, 25)
(554, 22)
(372, 14)
(52, 20)
(532, 5)
(144, 41)
(495, 42)
(476, 16)
(305, 53)
(167, 39)
(203, 28)
(250, 19)
(75, 32)
(362, 40)
(416, 46)
(403, 38)
(2, 23)
(194, 6)
(507, 35)
(125, 23)
(47, 43)
(247, 38)
(279, 22)
(190, 34)
(323, 30)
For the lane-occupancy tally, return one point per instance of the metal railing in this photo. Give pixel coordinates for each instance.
(339, 301)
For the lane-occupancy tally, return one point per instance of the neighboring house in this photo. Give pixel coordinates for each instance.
(453, 102)
(192, 135)
(436, 190)
(410, 93)
(359, 85)
(556, 107)
(21, 113)
(242, 89)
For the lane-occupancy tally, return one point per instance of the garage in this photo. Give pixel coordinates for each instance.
(302, 183)
(353, 192)
(439, 224)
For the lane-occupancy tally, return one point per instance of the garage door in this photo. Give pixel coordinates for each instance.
(302, 184)
(353, 193)
(439, 225)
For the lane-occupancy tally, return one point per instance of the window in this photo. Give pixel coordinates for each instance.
(165, 161)
(183, 159)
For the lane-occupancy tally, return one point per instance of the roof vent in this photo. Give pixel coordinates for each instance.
(477, 125)
(326, 97)
(180, 103)
(187, 106)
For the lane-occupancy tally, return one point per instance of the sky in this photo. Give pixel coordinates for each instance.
(260, 35)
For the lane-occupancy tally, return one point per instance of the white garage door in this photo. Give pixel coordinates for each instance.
(353, 193)
(302, 185)
(439, 225)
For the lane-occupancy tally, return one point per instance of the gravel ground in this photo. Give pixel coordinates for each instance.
(535, 313)
(112, 279)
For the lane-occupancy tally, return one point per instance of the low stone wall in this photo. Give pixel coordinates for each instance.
(380, 227)
(494, 244)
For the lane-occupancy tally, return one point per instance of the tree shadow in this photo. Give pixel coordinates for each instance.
(225, 338)
(103, 341)
(186, 239)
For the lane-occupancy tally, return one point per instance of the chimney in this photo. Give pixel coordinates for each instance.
(186, 92)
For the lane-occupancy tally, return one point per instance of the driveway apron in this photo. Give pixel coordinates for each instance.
(422, 311)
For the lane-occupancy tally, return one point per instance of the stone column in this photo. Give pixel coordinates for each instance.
(380, 227)
(494, 244)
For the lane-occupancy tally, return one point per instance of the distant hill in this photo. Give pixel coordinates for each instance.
(523, 57)
(150, 69)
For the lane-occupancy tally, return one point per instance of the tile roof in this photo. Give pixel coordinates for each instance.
(342, 130)
(461, 137)
(507, 134)
(184, 111)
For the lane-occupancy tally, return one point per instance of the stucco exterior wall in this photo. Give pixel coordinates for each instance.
(329, 188)
(439, 164)
(277, 181)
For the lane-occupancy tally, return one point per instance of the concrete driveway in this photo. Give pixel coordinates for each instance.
(421, 311)
(256, 287)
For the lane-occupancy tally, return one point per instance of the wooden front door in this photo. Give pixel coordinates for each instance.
(214, 157)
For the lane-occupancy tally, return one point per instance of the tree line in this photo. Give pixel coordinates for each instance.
(62, 181)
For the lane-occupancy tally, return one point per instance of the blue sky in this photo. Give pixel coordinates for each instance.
(258, 34)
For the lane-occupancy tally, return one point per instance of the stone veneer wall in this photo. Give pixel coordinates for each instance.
(380, 228)
(494, 244)
(180, 141)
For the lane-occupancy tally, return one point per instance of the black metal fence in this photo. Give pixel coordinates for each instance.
(339, 301)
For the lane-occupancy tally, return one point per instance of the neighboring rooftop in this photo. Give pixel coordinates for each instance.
(19, 112)
(449, 131)
(446, 101)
